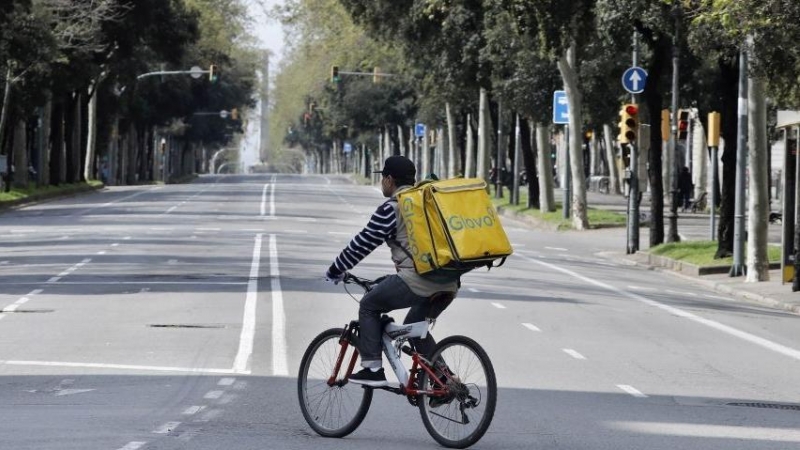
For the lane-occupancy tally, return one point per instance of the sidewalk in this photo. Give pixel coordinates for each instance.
(772, 293)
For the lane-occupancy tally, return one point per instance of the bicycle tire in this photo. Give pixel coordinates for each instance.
(321, 403)
(469, 380)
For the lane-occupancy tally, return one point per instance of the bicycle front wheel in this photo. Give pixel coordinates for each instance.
(331, 410)
(461, 418)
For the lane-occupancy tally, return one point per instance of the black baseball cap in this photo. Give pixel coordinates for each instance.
(399, 167)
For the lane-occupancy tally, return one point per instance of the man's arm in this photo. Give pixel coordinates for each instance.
(382, 226)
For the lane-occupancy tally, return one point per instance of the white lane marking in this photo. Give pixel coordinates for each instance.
(9, 308)
(21, 301)
(498, 305)
(101, 252)
(192, 410)
(280, 365)
(172, 262)
(272, 199)
(573, 353)
(171, 209)
(115, 244)
(133, 445)
(166, 428)
(631, 390)
(641, 288)
(208, 229)
(306, 219)
(473, 290)
(531, 327)
(54, 280)
(126, 238)
(34, 292)
(757, 340)
(213, 395)
(63, 238)
(64, 392)
(717, 297)
(264, 200)
(115, 366)
(559, 249)
(249, 316)
(345, 233)
(226, 381)
(708, 431)
(3, 263)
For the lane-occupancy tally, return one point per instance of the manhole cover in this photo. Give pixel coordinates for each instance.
(766, 405)
(184, 325)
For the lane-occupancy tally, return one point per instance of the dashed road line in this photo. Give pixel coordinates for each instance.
(498, 305)
(133, 445)
(213, 395)
(532, 327)
(632, 391)
(166, 428)
(559, 249)
(226, 381)
(573, 353)
(247, 336)
(192, 410)
(473, 290)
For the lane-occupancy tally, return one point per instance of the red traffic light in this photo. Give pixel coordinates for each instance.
(631, 109)
(683, 125)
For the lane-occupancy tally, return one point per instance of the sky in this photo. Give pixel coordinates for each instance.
(267, 30)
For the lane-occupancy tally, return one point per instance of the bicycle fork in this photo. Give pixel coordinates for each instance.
(348, 338)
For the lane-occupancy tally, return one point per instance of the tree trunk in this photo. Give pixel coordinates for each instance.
(91, 141)
(547, 198)
(469, 156)
(57, 168)
(20, 155)
(729, 88)
(453, 163)
(611, 160)
(484, 139)
(654, 101)
(47, 126)
(758, 201)
(5, 106)
(568, 70)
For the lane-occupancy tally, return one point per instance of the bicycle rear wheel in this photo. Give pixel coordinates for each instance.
(332, 411)
(462, 418)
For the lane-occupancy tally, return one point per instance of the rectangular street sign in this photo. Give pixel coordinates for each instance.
(560, 108)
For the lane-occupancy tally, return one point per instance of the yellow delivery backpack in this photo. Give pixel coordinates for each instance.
(452, 227)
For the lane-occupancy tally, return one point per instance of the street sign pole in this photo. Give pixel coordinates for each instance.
(561, 117)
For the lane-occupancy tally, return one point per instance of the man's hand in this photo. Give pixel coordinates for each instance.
(335, 279)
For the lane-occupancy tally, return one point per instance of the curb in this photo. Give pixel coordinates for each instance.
(43, 197)
(750, 297)
(528, 219)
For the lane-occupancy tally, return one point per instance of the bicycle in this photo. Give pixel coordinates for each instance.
(456, 393)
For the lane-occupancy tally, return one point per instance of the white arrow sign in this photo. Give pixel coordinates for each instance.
(635, 79)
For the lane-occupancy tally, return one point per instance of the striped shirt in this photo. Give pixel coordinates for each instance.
(382, 226)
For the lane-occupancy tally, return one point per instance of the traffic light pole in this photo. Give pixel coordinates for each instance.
(567, 177)
(672, 234)
(633, 203)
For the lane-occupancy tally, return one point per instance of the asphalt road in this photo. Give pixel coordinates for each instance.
(174, 317)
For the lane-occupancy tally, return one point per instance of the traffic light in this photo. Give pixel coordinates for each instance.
(665, 125)
(628, 124)
(713, 129)
(213, 73)
(335, 74)
(683, 123)
(234, 114)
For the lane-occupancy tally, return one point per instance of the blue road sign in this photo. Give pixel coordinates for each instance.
(634, 80)
(347, 147)
(419, 130)
(560, 108)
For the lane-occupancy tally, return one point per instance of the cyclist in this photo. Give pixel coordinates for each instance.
(404, 289)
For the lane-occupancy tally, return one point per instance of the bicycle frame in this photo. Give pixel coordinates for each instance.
(408, 383)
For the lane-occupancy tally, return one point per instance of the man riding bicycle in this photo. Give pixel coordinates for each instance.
(404, 289)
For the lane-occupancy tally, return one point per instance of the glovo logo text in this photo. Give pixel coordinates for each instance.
(407, 210)
(458, 223)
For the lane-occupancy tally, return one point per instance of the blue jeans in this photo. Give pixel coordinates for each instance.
(390, 294)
